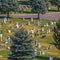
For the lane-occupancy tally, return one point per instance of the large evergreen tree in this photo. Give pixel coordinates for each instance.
(7, 6)
(56, 3)
(39, 6)
(21, 48)
(57, 35)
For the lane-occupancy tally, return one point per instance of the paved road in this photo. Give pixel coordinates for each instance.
(51, 16)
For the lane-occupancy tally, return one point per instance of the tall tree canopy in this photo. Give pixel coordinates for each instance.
(7, 6)
(57, 3)
(39, 6)
(22, 48)
(57, 35)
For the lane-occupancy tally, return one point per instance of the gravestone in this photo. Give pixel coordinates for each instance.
(47, 24)
(17, 25)
(42, 28)
(23, 19)
(9, 39)
(38, 23)
(5, 19)
(50, 58)
(47, 31)
(38, 45)
(9, 31)
(42, 52)
(22, 25)
(31, 19)
(28, 22)
(1, 36)
(38, 32)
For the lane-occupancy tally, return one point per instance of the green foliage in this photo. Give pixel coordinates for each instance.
(57, 35)
(38, 6)
(7, 6)
(21, 46)
(57, 3)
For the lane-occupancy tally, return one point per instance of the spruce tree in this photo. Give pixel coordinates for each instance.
(38, 6)
(57, 35)
(21, 48)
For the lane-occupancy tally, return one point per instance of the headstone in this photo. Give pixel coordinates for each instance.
(32, 31)
(42, 28)
(50, 46)
(28, 22)
(9, 31)
(38, 45)
(47, 31)
(47, 24)
(50, 58)
(31, 19)
(1, 56)
(1, 36)
(8, 47)
(44, 25)
(8, 38)
(51, 23)
(17, 25)
(38, 23)
(54, 22)
(22, 25)
(23, 18)
(38, 32)
(43, 52)
(5, 19)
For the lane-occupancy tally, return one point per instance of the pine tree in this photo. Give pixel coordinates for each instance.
(7, 6)
(39, 6)
(21, 48)
(57, 35)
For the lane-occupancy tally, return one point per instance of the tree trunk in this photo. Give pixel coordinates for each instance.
(38, 15)
(7, 15)
(58, 8)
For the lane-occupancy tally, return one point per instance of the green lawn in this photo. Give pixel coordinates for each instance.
(44, 42)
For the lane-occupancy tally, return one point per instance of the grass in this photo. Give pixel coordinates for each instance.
(45, 42)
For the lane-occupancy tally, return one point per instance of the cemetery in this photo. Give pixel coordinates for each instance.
(30, 30)
(42, 36)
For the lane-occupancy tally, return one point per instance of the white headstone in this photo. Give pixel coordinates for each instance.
(9, 31)
(47, 24)
(38, 23)
(5, 19)
(31, 19)
(50, 58)
(42, 28)
(23, 18)
(17, 25)
(47, 31)
(1, 36)
(28, 22)
(38, 45)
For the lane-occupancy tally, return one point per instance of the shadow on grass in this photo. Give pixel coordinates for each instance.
(42, 57)
(45, 58)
